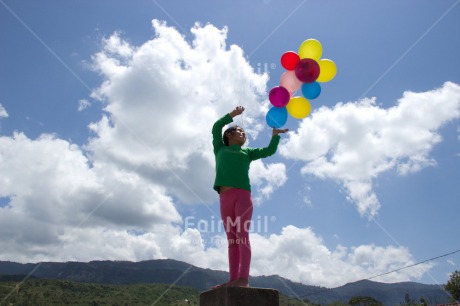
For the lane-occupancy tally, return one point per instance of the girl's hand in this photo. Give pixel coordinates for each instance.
(278, 131)
(237, 111)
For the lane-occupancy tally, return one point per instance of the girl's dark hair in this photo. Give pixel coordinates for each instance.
(227, 132)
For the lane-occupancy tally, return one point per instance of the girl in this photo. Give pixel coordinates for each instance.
(232, 184)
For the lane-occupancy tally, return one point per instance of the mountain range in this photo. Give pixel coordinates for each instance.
(167, 271)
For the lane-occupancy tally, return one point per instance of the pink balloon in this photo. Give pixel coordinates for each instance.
(289, 81)
(279, 96)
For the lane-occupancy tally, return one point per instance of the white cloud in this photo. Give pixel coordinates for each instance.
(161, 100)
(53, 190)
(265, 179)
(355, 142)
(83, 104)
(299, 254)
(3, 112)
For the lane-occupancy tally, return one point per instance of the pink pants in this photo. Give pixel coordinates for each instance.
(236, 213)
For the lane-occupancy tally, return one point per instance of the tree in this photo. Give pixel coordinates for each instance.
(364, 301)
(423, 302)
(408, 300)
(453, 285)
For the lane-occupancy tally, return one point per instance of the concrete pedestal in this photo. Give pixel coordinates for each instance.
(240, 296)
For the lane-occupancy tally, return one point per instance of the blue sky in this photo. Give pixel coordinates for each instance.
(104, 139)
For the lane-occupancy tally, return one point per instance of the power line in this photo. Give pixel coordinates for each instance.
(382, 274)
(409, 266)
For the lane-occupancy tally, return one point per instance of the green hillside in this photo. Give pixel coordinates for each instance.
(38, 292)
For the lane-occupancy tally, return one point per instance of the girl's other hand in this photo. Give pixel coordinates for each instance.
(237, 111)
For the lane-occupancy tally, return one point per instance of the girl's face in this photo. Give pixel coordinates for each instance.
(238, 137)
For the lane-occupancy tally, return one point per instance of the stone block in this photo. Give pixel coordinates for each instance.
(240, 296)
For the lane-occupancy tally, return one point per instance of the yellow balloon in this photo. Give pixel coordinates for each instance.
(298, 107)
(311, 48)
(327, 70)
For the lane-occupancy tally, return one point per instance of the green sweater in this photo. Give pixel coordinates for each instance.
(232, 162)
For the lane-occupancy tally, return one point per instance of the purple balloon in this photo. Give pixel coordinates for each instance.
(307, 70)
(279, 96)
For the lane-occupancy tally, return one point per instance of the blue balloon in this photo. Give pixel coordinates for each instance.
(276, 116)
(311, 90)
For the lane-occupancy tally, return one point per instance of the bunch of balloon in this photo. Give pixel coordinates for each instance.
(305, 70)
